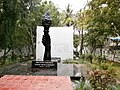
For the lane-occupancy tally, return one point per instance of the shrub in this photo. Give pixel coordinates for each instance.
(89, 57)
(101, 79)
(101, 59)
(94, 67)
(103, 66)
(83, 84)
(76, 54)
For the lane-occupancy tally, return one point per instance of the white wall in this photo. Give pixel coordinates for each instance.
(61, 42)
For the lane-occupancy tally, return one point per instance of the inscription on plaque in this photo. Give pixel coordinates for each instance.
(44, 64)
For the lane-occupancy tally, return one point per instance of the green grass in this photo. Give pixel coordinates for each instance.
(71, 61)
(8, 61)
(117, 69)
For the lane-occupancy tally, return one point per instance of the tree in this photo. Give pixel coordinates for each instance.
(102, 21)
(81, 25)
(8, 21)
(68, 21)
(18, 21)
(76, 41)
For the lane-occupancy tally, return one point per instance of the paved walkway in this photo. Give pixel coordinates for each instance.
(24, 68)
(18, 82)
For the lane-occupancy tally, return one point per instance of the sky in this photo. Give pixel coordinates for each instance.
(76, 5)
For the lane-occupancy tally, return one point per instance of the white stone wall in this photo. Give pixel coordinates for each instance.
(61, 42)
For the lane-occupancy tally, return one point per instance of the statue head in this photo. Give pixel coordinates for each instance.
(46, 21)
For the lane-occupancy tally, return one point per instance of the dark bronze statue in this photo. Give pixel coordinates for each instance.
(46, 23)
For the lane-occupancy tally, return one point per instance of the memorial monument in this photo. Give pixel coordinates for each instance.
(53, 44)
(46, 41)
(46, 23)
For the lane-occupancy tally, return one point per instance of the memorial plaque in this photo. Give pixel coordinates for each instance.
(44, 64)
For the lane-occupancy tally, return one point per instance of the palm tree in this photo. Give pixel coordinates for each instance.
(68, 21)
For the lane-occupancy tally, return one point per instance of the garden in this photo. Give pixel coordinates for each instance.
(103, 74)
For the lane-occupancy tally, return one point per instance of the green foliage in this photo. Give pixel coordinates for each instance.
(76, 39)
(83, 56)
(118, 86)
(76, 54)
(94, 67)
(68, 20)
(104, 66)
(8, 60)
(89, 57)
(76, 42)
(83, 84)
(70, 61)
(101, 20)
(98, 80)
(18, 21)
(100, 59)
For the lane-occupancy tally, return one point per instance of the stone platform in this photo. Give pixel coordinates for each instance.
(19, 82)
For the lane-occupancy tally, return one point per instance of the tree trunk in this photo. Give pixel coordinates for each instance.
(33, 44)
(114, 52)
(94, 50)
(81, 46)
(101, 50)
(4, 56)
(21, 56)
